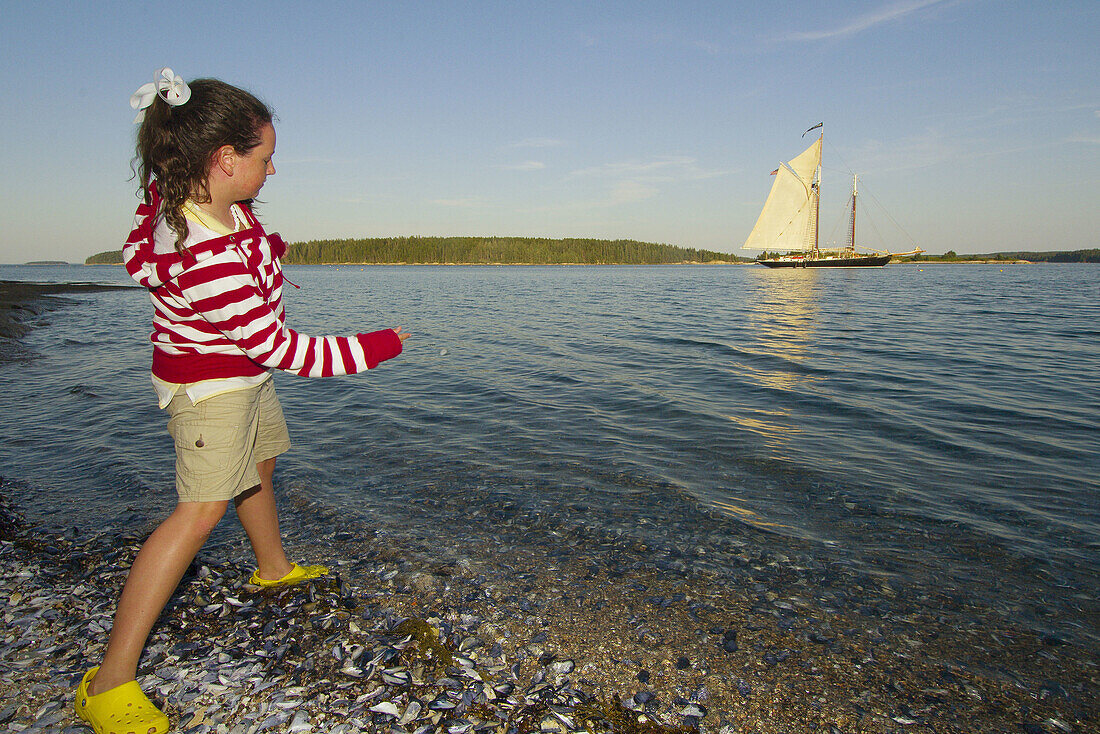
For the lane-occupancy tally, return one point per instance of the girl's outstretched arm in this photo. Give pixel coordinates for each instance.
(225, 294)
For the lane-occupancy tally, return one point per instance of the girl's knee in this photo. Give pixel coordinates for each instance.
(200, 518)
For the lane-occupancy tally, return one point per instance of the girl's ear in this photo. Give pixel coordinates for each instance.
(225, 158)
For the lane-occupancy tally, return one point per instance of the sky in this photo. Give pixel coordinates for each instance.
(974, 125)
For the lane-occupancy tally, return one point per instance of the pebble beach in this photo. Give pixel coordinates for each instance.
(531, 637)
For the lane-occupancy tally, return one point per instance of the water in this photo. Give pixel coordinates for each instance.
(930, 426)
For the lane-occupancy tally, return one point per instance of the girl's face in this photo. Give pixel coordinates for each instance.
(253, 168)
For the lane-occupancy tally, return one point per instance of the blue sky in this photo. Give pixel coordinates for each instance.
(975, 123)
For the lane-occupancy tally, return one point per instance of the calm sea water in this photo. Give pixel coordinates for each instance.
(933, 425)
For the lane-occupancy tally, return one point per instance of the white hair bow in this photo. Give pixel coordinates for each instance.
(170, 86)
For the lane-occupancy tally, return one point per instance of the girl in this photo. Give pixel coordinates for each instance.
(204, 151)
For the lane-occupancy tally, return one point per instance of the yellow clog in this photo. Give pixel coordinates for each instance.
(124, 709)
(297, 575)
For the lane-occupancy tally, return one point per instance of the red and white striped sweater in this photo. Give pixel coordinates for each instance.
(218, 309)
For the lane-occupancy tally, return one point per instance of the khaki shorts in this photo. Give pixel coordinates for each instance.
(220, 441)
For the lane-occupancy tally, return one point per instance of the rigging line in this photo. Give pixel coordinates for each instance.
(847, 169)
(885, 211)
(834, 236)
(864, 192)
(868, 220)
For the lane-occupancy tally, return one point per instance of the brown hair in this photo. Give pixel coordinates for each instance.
(175, 145)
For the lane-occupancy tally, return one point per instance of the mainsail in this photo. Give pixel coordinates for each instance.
(789, 218)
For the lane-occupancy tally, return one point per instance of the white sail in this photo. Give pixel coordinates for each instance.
(788, 220)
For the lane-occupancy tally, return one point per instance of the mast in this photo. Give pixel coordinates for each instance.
(852, 222)
(816, 187)
(817, 197)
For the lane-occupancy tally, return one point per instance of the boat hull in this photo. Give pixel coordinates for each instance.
(861, 261)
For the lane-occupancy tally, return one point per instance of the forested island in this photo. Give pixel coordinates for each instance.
(546, 251)
(497, 250)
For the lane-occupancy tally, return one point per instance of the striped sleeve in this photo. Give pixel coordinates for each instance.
(227, 296)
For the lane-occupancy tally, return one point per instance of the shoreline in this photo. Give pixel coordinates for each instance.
(23, 301)
(23, 305)
(554, 636)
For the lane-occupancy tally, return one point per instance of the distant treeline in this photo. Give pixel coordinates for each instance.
(496, 250)
(482, 250)
(110, 257)
(1075, 256)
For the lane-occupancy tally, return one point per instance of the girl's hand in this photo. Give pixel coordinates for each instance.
(401, 334)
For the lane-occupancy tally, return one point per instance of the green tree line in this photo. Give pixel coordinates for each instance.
(481, 250)
(110, 257)
(1072, 256)
(496, 250)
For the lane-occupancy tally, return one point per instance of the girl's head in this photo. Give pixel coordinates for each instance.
(178, 145)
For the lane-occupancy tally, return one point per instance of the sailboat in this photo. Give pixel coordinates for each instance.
(790, 215)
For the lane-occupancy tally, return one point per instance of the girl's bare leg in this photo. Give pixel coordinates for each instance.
(257, 513)
(156, 573)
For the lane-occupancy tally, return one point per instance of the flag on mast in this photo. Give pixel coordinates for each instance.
(813, 128)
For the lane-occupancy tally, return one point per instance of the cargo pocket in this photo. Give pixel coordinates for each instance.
(203, 449)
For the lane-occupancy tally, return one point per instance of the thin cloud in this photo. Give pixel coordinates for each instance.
(712, 49)
(935, 148)
(613, 184)
(932, 148)
(537, 143)
(296, 161)
(629, 191)
(524, 166)
(664, 168)
(467, 203)
(617, 194)
(887, 14)
(630, 182)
